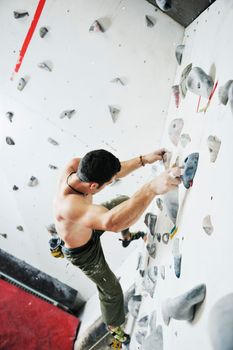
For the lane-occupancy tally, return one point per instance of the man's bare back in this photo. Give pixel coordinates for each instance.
(70, 231)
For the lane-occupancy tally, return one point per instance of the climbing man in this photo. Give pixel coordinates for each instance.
(80, 223)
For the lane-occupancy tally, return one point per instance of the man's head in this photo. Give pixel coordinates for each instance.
(98, 166)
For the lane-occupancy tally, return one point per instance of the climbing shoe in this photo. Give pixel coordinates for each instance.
(119, 334)
(133, 237)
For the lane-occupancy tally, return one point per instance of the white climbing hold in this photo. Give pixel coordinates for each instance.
(199, 83)
(207, 225)
(174, 130)
(214, 144)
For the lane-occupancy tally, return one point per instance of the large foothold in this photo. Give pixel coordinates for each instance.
(10, 141)
(96, 27)
(183, 306)
(207, 225)
(45, 66)
(177, 257)
(176, 94)
(184, 139)
(67, 114)
(20, 14)
(151, 248)
(159, 203)
(114, 113)
(21, 84)
(183, 79)
(174, 130)
(150, 221)
(33, 181)
(150, 21)
(199, 83)
(150, 280)
(214, 144)
(43, 31)
(164, 5)
(171, 203)
(190, 168)
(223, 92)
(10, 116)
(179, 53)
(134, 304)
(154, 340)
(221, 323)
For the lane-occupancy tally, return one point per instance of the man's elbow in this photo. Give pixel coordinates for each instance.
(111, 226)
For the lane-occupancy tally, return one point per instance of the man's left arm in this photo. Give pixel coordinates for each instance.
(129, 166)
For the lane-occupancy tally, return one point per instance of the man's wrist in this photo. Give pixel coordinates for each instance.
(142, 161)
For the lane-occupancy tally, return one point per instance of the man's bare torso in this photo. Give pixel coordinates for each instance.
(70, 231)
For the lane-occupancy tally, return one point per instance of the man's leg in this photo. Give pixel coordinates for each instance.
(92, 262)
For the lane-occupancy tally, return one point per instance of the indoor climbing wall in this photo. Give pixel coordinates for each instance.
(184, 284)
(76, 76)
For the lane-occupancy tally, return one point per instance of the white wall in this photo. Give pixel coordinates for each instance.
(205, 259)
(83, 65)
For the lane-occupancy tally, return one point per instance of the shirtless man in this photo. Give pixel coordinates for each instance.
(80, 223)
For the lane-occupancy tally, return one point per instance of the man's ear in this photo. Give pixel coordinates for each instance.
(94, 185)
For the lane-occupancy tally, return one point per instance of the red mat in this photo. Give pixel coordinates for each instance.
(30, 323)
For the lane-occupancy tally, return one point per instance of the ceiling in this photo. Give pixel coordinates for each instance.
(185, 11)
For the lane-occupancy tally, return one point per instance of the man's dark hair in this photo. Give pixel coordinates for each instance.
(98, 166)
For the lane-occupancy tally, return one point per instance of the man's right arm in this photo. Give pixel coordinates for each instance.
(128, 212)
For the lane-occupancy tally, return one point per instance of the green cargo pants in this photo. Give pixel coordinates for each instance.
(90, 259)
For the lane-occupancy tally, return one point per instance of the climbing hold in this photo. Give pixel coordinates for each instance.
(221, 323)
(10, 141)
(20, 228)
(4, 235)
(117, 81)
(15, 188)
(20, 14)
(140, 335)
(45, 66)
(115, 182)
(134, 304)
(224, 91)
(177, 257)
(43, 31)
(68, 113)
(184, 139)
(33, 181)
(183, 79)
(164, 5)
(165, 238)
(150, 280)
(21, 84)
(179, 53)
(154, 340)
(150, 21)
(162, 271)
(51, 229)
(176, 94)
(53, 167)
(207, 225)
(199, 83)
(174, 130)
(151, 248)
(114, 113)
(230, 97)
(183, 306)
(167, 159)
(52, 141)
(96, 27)
(171, 203)
(190, 168)
(143, 321)
(158, 236)
(150, 221)
(214, 144)
(10, 116)
(159, 203)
